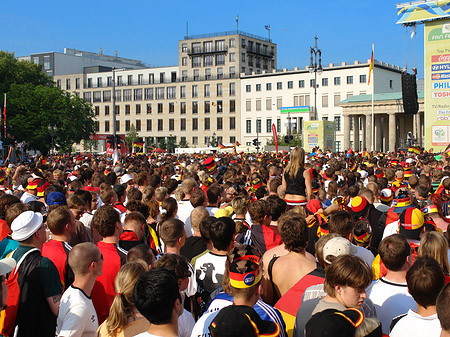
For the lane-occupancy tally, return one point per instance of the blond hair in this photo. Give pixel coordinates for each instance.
(296, 161)
(434, 245)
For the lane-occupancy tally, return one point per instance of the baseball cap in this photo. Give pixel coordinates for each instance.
(6, 265)
(25, 225)
(242, 321)
(227, 211)
(119, 170)
(338, 246)
(334, 323)
(56, 198)
(411, 223)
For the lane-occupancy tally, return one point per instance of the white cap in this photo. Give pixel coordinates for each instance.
(6, 265)
(338, 246)
(25, 225)
(363, 174)
(125, 178)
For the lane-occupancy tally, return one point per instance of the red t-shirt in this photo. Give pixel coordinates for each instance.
(58, 253)
(4, 229)
(103, 292)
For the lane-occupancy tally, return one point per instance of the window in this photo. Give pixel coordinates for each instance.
(117, 108)
(127, 125)
(258, 126)
(126, 95)
(337, 123)
(106, 110)
(137, 94)
(207, 123)
(232, 105)
(184, 61)
(184, 76)
(36, 60)
(208, 74)
(149, 108)
(97, 96)
(243, 43)
(232, 139)
(248, 126)
(97, 110)
(312, 83)
(232, 57)
(349, 94)
(349, 79)
(337, 81)
(207, 107)
(138, 109)
(127, 109)
(161, 77)
(207, 60)
(351, 123)
(232, 71)
(268, 86)
(160, 124)
(183, 92)
(325, 101)
(148, 93)
(77, 83)
(119, 80)
(46, 62)
(232, 43)
(130, 80)
(248, 88)
(220, 45)
(109, 81)
(279, 103)
(207, 90)
(87, 96)
(268, 104)
(171, 92)
(243, 57)
(89, 83)
(68, 84)
(171, 124)
(160, 108)
(194, 91)
(232, 89)
(196, 61)
(194, 124)
(391, 84)
(338, 146)
(149, 125)
(258, 105)
(107, 96)
(337, 99)
(324, 82)
(159, 93)
(140, 79)
(248, 105)
(279, 85)
(278, 125)
(151, 78)
(184, 47)
(183, 108)
(195, 107)
(106, 126)
(269, 125)
(171, 107)
(194, 140)
(219, 73)
(138, 125)
(362, 79)
(290, 84)
(219, 123)
(258, 87)
(301, 83)
(219, 107)
(232, 123)
(117, 125)
(219, 89)
(99, 82)
(183, 124)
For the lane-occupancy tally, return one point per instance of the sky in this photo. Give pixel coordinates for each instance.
(149, 30)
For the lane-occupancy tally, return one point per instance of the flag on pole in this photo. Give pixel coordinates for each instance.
(371, 66)
(237, 18)
(267, 27)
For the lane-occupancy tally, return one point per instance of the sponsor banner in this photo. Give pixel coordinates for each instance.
(437, 84)
(291, 109)
(319, 134)
(422, 11)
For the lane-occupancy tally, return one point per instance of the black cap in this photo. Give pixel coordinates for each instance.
(334, 323)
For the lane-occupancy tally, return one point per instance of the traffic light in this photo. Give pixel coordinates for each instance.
(288, 138)
(118, 141)
(255, 142)
(111, 141)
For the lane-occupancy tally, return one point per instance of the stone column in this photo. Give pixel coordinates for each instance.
(378, 138)
(346, 133)
(364, 133)
(385, 133)
(356, 133)
(368, 127)
(392, 131)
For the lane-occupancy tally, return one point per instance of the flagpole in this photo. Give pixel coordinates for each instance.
(4, 117)
(237, 24)
(373, 94)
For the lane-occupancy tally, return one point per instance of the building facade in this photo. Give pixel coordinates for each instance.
(264, 95)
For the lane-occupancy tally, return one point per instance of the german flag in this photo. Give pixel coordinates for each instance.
(138, 144)
(414, 149)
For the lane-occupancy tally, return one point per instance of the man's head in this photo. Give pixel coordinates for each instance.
(394, 252)
(213, 193)
(443, 309)
(260, 212)
(239, 205)
(172, 233)
(61, 220)
(294, 231)
(28, 228)
(85, 258)
(188, 186)
(221, 233)
(346, 280)
(197, 215)
(277, 206)
(341, 223)
(157, 297)
(179, 264)
(141, 252)
(425, 280)
(106, 221)
(135, 222)
(198, 198)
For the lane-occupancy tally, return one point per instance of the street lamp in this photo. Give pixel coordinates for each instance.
(316, 68)
(114, 98)
(52, 130)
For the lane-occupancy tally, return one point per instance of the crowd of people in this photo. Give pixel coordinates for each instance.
(318, 244)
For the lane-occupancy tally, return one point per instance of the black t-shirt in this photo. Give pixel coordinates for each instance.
(194, 246)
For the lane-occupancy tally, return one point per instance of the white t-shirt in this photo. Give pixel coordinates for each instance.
(28, 197)
(185, 324)
(201, 327)
(414, 325)
(212, 209)
(391, 300)
(76, 315)
(184, 214)
(209, 270)
(365, 254)
(391, 229)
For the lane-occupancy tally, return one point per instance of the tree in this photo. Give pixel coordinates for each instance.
(90, 144)
(131, 137)
(34, 104)
(171, 144)
(183, 143)
(296, 141)
(162, 143)
(214, 141)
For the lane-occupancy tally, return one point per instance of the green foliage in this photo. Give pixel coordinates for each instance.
(297, 141)
(90, 144)
(171, 145)
(162, 144)
(214, 141)
(183, 143)
(34, 104)
(132, 136)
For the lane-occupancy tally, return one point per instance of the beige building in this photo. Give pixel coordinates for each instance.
(192, 102)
